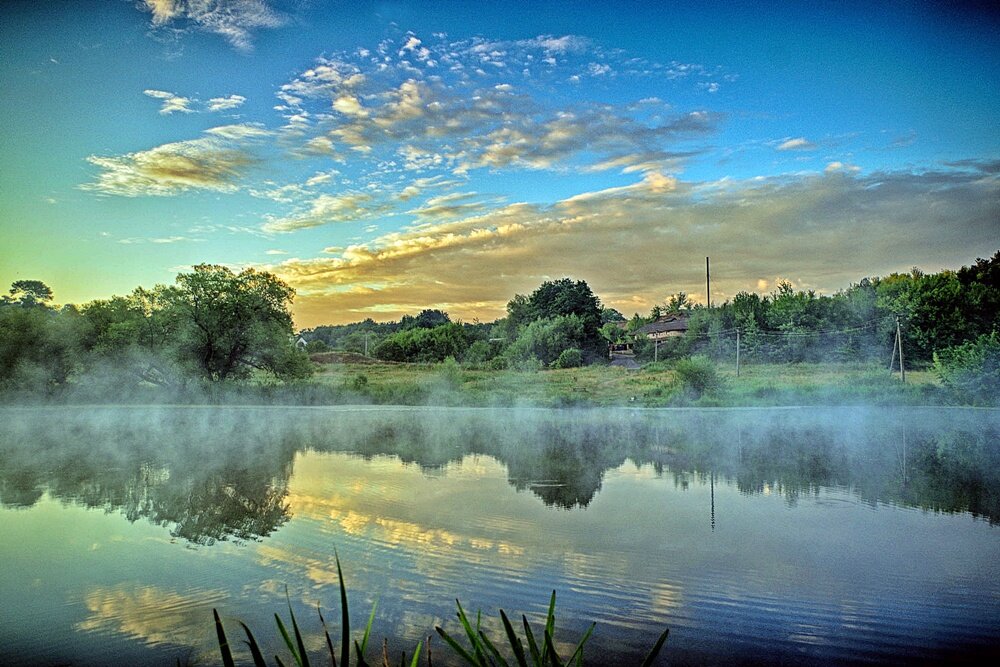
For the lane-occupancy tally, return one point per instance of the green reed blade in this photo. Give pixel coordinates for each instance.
(578, 653)
(326, 633)
(258, 657)
(368, 628)
(499, 659)
(416, 656)
(653, 652)
(278, 661)
(303, 656)
(457, 648)
(227, 655)
(550, 650)
(536, 654)
(515, 642)
(288, 640)
(345, 620)
(361, 662)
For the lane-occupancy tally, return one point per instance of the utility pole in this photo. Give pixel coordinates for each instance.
(708, 285)
(899, 337)
(366, 342)
(737, 351)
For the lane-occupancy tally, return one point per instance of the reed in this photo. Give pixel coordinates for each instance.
(533, 651)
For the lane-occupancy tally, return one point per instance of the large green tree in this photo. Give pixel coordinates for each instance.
(231, 323)
(559, 298)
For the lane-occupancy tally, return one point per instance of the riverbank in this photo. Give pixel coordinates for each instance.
(655, 385)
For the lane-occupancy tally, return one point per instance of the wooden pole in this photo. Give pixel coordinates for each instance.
(895, 345)
(899, 336)
(737, 352)
(708, 285)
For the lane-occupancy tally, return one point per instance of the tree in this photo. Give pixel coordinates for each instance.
(560, 298)
(229, 323)
(28, 293)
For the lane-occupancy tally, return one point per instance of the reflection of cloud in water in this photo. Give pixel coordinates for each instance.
(151, 614)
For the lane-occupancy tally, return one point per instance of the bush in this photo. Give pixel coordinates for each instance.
(569, 358)
(698, 374)
(972, 369)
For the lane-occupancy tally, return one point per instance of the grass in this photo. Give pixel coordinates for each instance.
(655, 385)
(482, 652)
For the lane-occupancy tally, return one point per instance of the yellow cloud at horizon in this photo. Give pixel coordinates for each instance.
(637, 244)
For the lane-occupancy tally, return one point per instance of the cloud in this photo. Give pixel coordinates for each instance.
(150, 614)
(834, 227)
(171, 103)
(796, 144)
(225, 103)
(234, 20)
(454, 108)
(840, 166)
(207, 163)
(326, 209)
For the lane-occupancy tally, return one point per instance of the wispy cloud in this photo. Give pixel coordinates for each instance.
(326, 209)
(796, 144)
(207, 163)
(225, 103)
(234, 20)
(171, 103)
(658, 229)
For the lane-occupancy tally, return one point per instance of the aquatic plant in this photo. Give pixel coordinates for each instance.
(298, 649)
(483, 652)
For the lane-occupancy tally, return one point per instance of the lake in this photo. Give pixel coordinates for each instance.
(795, 536)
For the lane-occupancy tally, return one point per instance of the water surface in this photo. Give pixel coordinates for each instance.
(756, 536)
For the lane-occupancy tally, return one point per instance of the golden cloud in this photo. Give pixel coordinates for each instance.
(208, 163)
(637, 244)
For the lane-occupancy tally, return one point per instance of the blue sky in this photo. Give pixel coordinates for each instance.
(389, 156)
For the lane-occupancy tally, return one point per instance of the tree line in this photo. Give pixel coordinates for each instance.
(211, 325)
(214, 324)
(935, 311)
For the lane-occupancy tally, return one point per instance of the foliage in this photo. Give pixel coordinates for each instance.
(545, 339)
(569, 358)
(297, 648)
(972, 369)
(423, 345)
(537, 649)
(698, 374)
(554, 299)
(27, 293)
(229, 324)
(38, 346)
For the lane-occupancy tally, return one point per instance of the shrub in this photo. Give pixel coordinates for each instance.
(569, 358)
(972, 369)
(698, 374)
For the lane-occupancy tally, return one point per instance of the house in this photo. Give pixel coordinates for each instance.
(301, 343)
(668, 326)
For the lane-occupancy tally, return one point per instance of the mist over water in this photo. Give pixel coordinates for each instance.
(803, 535)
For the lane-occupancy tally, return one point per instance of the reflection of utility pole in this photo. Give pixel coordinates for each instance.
(711, 479)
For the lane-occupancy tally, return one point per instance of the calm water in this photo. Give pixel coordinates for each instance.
(794, 536)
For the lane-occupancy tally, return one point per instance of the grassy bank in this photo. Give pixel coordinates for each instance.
(655, 385)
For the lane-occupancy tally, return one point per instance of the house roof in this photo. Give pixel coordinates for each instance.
(675, 322)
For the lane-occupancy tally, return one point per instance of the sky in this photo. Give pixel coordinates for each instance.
(385, 157)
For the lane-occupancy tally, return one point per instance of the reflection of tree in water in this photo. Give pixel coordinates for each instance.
(221, 473)
(190, 477)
